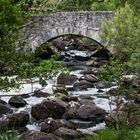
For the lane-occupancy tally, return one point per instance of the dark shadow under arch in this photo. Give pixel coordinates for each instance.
(77, 35)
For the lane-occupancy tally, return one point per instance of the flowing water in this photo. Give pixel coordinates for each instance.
(99, 98)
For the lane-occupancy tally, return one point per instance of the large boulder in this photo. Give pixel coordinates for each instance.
(35, 135)
(54, 108)
(90, 112)
(4, 109)
(17, 101)
(66, 79)
(68, 133)
(15, 120)
(19, 119)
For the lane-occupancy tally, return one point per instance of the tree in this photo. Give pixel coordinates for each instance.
(65, 5)
(12, 16)
(106, 5)
(134, 4)
(121, 34)
(113, 5)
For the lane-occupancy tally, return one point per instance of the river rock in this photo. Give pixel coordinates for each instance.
(81, 124)
(85, 101)
(68, 133)
(94, 71)
(91, 63)
(60, 89)
(90, 112)
(49, 125)
(66, 79)
(15, 120)
(3, 102)
(83, 85)
(60, 43)
(46, 128)
(25, 96)
(35, 135)
(100, 85)
(69, 98)
(72, 111)
(39, 93)
(3, 124)
(54, 108)
(19, 119)
(4, 109)
(90, 78)
(17, 101)
(86, 96)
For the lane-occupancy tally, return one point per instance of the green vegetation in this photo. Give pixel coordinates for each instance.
(9, 135)
(49, 6)
(123, 133)
(8, 31)
(106, 5)
(12, 61)
(121, 35)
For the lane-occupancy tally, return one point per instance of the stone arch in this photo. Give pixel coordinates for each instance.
(44, 38)
(44, 28)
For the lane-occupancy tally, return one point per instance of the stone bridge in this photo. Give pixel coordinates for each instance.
(40, 29)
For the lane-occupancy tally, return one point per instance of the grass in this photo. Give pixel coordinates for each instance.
(9, 135)
(123, 133)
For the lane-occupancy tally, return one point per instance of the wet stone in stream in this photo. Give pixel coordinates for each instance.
(17, 101)
(49, 108)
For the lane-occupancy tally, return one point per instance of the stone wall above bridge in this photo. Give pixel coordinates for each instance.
(40, 29)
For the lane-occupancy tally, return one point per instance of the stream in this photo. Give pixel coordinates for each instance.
(82, 85)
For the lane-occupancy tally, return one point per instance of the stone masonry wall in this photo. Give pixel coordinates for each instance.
(40, 29)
